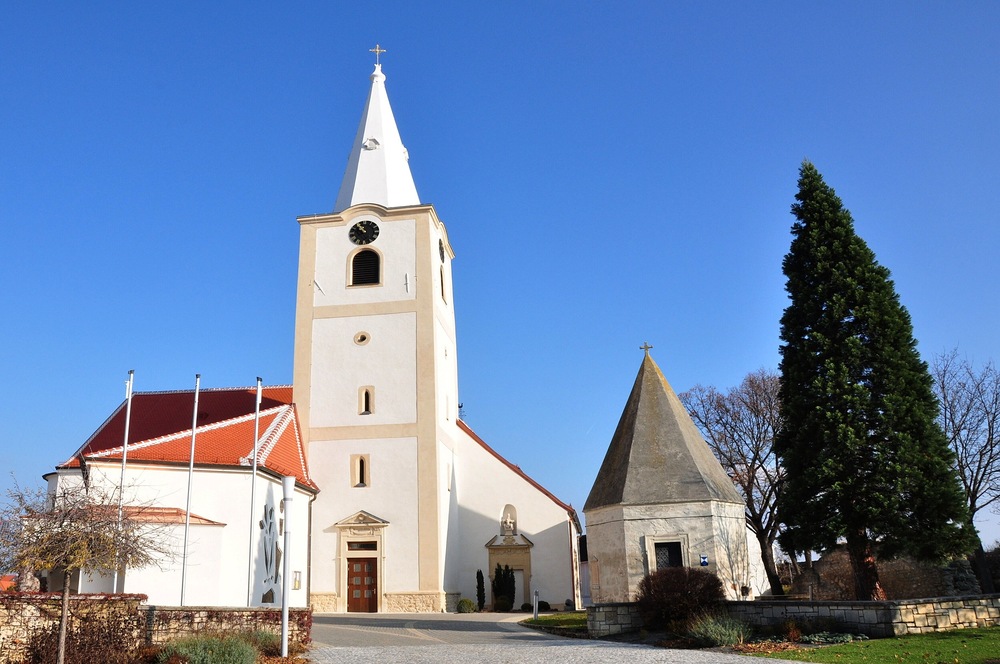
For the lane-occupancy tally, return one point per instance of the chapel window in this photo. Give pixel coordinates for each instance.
(668, 554)
(366, 268)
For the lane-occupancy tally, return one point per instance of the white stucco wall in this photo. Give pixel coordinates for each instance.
(483, 485)
(218, 555)
(391, 495)
(395, 243)
(340, 367)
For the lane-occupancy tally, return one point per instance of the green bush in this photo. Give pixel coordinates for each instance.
(265, 642)
(712, 631)
(544, 606)
(527, 606)
(209, 650)
(466, 605)
(480, 590)
(502, 604)
(670, 598)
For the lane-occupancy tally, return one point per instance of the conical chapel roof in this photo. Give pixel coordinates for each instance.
(378, 170)
(657, 454)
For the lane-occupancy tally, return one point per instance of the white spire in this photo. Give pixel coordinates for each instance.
(377, 170)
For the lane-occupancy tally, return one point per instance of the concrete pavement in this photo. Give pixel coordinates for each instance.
(473, 637)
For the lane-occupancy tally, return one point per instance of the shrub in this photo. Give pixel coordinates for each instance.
(209, 650)
(544, 606)
(712, 631)
(263, 641)
(503, 585)
(92, 640)
(466, 605)
(502, 604)
(480, 590)
(527, 606)
(671, 597)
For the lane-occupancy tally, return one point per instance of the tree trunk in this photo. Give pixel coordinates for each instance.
(64, 617)
(982, 569)
(862, 555)
(767, 557)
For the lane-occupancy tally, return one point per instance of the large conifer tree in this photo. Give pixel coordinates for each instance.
(863, 455)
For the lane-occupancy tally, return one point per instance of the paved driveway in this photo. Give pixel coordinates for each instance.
(440, 638)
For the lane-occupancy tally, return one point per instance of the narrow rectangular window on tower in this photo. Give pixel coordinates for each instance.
(360, 471)
(366, 400)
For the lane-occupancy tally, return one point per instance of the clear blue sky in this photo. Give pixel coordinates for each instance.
(610, 174)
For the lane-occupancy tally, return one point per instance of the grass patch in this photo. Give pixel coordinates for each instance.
(959, 646)
(565, 619)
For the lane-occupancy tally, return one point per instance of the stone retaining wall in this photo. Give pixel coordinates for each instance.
(877, 619)
(164, 623)
(22, 615)
(613, 618)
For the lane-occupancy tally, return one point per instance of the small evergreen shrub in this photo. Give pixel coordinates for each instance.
(502, 604)
(466, 605)
(503, 585)
(712, 631)
(480, 590)
(670, 598)
(209, 650)
(527, 606)
(544, 606)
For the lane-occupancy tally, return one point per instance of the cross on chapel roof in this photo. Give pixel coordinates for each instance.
(377, 51)
(645, 346)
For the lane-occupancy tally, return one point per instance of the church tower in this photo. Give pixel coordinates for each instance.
(376, 380)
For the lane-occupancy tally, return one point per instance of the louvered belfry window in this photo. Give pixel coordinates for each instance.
(365, 269)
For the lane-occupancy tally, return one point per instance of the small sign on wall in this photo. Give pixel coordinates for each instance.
(704, 561)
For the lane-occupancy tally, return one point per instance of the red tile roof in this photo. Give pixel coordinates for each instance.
(160, 431)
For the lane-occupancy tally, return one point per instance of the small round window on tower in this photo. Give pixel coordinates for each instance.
(361, 338)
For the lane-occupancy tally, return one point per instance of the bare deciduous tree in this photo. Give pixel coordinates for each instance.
(970, 418)
(73, 529)
(739, 426)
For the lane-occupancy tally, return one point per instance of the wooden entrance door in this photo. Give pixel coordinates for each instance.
(362, 576)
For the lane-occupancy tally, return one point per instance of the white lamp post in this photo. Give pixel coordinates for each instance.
(288, 492)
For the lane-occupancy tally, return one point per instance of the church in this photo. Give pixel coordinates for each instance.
(398, 503)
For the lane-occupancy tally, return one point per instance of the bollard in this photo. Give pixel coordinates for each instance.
(535, 602)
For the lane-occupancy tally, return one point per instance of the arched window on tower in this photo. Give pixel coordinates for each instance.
(366, 268)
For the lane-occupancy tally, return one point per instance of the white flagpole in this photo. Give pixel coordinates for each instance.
(187, 510)
(253, 493)
(121, 482)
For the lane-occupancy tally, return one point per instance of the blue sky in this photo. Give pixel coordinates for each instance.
(610, 174)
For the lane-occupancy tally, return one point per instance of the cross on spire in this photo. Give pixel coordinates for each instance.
(645, 346)
(378, 50)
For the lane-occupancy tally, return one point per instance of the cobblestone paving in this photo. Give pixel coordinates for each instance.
(469, 638)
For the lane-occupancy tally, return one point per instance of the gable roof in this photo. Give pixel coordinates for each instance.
(657, 455)
(517, 469)
(160, 431)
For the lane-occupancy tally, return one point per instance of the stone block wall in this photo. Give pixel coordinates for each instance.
(877, 619)
(613, 618)
(164, 623)
(24, 614)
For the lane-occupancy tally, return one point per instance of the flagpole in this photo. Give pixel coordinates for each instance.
(253, 493)
(187, 511)
(121, 482)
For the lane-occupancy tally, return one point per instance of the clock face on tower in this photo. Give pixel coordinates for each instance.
(363, 232)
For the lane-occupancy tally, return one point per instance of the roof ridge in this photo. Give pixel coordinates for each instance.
(150, 442)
